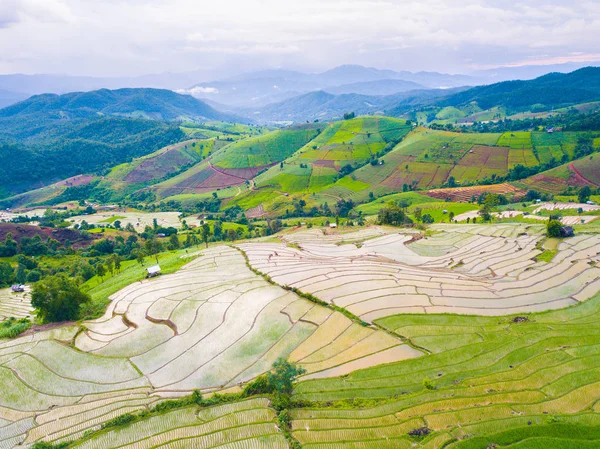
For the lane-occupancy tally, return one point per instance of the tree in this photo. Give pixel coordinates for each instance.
(427, 219)
(205, 233)
(139, 257)
(100, 271)
(58, 298)
(152, 247)
(584, 194)
(174, 242)
(349, 115)
(282, 376)
(393, 214)
(7, 275)
(489, 204)
(418, 214)
(117, 262)
(553, 228)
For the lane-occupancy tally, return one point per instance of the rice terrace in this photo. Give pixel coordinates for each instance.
(227, 226)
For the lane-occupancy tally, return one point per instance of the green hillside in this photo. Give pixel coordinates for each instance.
(579, 173)
(267, 149)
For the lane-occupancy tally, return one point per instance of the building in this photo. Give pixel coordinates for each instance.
(17, 288)
(154, 270)
(567, 231)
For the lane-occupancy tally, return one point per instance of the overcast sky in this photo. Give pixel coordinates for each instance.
(133, 37)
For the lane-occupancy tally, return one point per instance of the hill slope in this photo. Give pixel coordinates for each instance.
(156, 104)
(548, 91)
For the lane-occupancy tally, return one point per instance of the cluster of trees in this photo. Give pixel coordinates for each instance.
(394, 214)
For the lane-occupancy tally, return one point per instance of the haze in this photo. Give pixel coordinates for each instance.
(135, 37)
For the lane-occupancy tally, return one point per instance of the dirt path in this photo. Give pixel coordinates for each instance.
(580, 177)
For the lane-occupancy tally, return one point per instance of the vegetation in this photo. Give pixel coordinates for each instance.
(58, 298)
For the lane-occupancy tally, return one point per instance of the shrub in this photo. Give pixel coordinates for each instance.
(553, 228)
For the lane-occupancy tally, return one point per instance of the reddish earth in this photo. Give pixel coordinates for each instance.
(157, 167)
(77, 239)
(75, 181)
(255, 212)
(242, 173)
(495, 158)
(323, 163)
(581, 177)
(464, 194)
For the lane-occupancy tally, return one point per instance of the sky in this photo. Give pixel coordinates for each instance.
(136, 37)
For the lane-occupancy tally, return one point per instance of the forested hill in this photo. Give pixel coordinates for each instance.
(158, 104)
(83, 146)
(552, 90)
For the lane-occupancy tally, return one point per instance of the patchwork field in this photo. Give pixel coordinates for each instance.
(578, 173)
(467, 269)
(466, 194)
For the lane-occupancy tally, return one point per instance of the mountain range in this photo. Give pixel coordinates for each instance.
(259, 88)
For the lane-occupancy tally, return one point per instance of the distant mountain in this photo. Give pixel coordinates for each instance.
(8, 97)
(322, 105)
(379, 87)
(543, 93)
(257, 89)
(525, 72)
(157, 104)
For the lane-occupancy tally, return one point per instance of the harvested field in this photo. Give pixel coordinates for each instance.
(75, 181)
(465, 194)
(16, 305)
(565, 206)
(465, 269)
(139, 220)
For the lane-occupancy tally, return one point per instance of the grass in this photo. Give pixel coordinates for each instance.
(547, 255)
(131, 271)
(542, 363)
(413, 198)
(13, 327)
(266, 149)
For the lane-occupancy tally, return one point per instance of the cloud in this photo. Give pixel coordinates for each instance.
(128, 37)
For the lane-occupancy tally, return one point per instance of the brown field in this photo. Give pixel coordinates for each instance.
(464, 194)
(75, 181)
(19, 231)
(494, 158)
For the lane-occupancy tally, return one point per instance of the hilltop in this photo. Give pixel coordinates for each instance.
(156, 104)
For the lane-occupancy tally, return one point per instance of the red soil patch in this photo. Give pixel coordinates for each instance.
(157, 167)
(580, 177)
(494, 158)
(322, 163)
(75, 181)
(241, 173)
(77, 239)
(464, 194)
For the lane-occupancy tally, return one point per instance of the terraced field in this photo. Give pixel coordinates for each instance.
(16, 305)
(466, 269)
(242, 425)
(211, 325)
(578, 173)
(527, 382)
